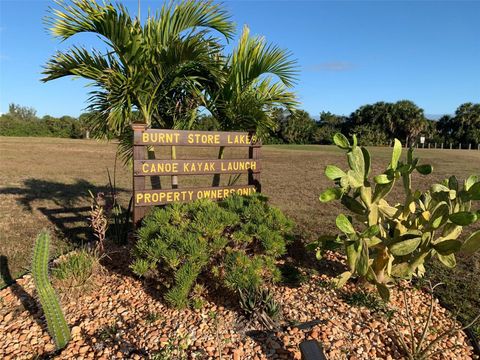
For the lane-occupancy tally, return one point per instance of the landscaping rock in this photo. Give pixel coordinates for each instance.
(123, 318)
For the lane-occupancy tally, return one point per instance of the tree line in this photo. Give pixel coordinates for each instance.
(374, 124)
(23, 121)
(379, 124)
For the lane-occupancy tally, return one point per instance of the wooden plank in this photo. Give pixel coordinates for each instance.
(139, 153)
(194, 138)
(311, 350)
(195, 167)
(143, 198)
(254, 177)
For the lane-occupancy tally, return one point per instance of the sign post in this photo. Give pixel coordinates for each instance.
(142, 167)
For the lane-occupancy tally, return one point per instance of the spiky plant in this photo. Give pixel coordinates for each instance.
(260, 305)
(57, 325)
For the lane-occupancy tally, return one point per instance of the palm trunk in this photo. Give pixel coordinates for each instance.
(216, 177)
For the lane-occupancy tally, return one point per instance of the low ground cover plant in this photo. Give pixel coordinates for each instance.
(76, 268)
(234, 244)
(391, 242)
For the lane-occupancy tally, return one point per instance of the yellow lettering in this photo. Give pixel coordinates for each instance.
(147, 197)
(162, 196)
(144, 137)
(138, 198)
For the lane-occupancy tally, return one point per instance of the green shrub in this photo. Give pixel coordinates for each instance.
(234, 243)
(393, 242)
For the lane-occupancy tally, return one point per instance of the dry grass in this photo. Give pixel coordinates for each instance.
(44, 183)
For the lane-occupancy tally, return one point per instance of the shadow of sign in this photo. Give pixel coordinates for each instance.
(71, 222)
(63, 204)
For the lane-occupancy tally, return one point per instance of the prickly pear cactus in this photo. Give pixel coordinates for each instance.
(393, 242)
(57, 326)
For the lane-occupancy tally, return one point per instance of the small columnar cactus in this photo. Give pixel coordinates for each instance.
(393, 242)
(57, 326)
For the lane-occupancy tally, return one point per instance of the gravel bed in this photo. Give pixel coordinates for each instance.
(121, 317)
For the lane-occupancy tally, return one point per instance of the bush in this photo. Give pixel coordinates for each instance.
(389, 242)
(233, 243)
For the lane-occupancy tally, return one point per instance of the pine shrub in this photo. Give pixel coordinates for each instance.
(233, 244)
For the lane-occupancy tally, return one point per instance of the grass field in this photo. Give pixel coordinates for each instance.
(44, 183)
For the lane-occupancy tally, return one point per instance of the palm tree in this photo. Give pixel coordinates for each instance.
(154, 73)
(257, 77)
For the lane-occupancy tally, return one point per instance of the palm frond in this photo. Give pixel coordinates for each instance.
(253, 57)
(113, 23)
(125, 146)
(172, 20)
(79, 62)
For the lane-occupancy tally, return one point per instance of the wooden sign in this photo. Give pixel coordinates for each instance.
(194, 167)
(143, 168)
(194, 138)
(162, 197)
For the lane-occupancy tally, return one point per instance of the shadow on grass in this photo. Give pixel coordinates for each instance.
(63, 195)
(69, 221)
(69, 217)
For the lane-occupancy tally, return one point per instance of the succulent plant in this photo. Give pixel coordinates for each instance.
(393, 242)
(260, 304)
(57, 326)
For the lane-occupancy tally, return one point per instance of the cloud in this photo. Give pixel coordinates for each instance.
(335, 66)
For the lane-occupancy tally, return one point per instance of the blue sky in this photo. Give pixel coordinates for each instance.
(349, 52)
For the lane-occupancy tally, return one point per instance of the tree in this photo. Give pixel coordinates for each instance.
(463, 127)
(256, 78)
(408, 120)
(299, 128)
(446, 128)
(328, 125)
(22, 112)
(402, 119)
(467, 123)
(377, 118)
(148, 72)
